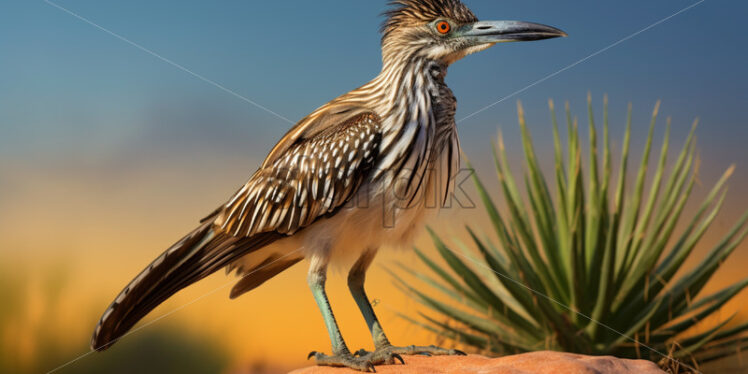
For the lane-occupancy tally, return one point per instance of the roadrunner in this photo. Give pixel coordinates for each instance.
(351, 177)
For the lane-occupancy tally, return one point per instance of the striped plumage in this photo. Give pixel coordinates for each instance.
(309, 180)
(356, 174)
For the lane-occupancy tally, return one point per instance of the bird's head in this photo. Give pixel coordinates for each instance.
(446, 30)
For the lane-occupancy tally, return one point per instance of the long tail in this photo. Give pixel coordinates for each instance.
(196, 256)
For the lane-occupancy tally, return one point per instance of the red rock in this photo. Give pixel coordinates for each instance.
(545, 362)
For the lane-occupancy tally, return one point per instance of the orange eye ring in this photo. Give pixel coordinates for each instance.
(443, 27)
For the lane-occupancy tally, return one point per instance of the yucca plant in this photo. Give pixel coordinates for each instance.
(584, 264)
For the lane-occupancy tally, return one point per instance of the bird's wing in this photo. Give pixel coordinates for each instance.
(310, 179)
(326, 118)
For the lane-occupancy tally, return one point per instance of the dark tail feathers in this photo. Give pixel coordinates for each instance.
(196, 256)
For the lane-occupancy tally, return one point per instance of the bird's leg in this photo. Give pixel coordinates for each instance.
(356, 278)
(341, 355)
(356, 284)
(384, 351)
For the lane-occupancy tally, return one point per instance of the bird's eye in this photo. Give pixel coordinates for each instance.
(443, 27)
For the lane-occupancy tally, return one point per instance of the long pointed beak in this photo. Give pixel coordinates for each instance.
(508, 31)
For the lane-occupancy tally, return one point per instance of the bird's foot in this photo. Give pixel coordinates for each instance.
(343, 360)
(393, 351)
(385, 355)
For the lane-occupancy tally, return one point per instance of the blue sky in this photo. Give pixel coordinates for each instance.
(71, 91)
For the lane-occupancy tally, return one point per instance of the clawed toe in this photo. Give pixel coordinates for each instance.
(364, 360)
(398, 357)
(431, 350)
(380, 356)
(343, 360)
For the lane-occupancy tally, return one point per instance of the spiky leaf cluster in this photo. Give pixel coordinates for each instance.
(588, 264)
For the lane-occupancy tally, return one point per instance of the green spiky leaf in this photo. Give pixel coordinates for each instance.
(585, 265)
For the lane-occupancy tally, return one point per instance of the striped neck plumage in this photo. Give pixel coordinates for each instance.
(406, 79)
(404, 93)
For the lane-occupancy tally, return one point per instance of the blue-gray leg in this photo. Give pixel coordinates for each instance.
(341, 355)
(356, 278)
(384, 351)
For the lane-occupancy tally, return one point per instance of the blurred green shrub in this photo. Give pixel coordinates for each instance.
(30, 341)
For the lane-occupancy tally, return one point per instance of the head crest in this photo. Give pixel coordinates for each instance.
(416, 12)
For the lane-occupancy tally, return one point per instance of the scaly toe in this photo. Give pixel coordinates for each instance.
(431, 350)
(361, 352)
(343, 360)
(380, 356)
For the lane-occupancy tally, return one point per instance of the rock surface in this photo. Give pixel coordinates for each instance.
(545, 362)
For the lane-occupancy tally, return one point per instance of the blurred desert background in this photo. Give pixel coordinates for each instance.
(108, 154)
